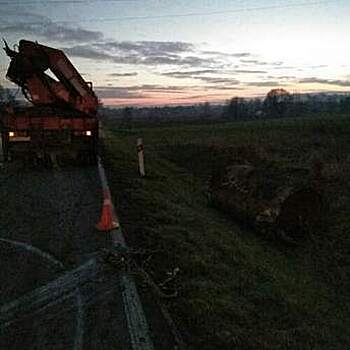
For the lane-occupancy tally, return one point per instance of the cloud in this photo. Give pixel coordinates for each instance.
(150, 52)
(278, 64)
(194, 97)
(107, 92)
(219, 80)
(53, 32)
(155, 53)
(146, 48)
(141, 52)
(282, 77)
(131, 74)
(225, 54)
(164, 89)
(200, 75)
(319, 66)
(137, 91)
(90, 44)
(246, 71)
(264, 83)
(188, 74)
(175, 60)
(335, 82)
(222, 87)
(255, 62)
(7, 16)
(148, 91)
(86, 51)
(285, 67)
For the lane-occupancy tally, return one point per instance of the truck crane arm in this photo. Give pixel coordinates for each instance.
(28, 69)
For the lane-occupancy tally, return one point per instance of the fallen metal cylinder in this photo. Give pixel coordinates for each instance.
(279, 202)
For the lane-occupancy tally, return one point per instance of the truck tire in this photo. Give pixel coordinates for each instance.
(5, 146)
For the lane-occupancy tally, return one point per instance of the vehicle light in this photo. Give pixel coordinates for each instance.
(11, 134)
(88, 133)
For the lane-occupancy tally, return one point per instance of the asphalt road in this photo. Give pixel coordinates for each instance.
(55, 292)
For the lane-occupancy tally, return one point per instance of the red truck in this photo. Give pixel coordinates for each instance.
(63, 117)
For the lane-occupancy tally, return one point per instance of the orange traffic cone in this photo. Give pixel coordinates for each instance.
(108, 220)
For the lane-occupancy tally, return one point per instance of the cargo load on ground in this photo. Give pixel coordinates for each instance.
(279, 202)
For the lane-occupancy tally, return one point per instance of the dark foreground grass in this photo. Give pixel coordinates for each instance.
(236, 289)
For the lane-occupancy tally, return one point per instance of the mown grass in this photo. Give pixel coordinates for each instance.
(238, 290)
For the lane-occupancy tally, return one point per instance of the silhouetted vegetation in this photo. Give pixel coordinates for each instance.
(6, 98)
(278, 103)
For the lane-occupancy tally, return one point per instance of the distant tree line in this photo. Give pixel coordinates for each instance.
(278, 103)
(6, 98)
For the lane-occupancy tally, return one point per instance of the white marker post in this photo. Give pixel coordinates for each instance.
(140, 152)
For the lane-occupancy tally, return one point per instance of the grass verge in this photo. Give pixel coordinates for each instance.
(237, 290)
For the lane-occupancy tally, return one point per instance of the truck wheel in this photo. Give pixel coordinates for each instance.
(93, 152)
(5, 148)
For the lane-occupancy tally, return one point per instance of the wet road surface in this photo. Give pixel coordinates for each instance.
(55, 293)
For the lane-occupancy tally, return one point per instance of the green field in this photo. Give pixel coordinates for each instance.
(237, 289)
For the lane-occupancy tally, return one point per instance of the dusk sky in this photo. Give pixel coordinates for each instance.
(156, 52)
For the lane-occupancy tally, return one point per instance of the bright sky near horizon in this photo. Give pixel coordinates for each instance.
(156, 52)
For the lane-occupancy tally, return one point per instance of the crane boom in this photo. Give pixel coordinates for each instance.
(29, 68)
(63, 119)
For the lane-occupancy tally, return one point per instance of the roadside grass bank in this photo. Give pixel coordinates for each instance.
(235, 288)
